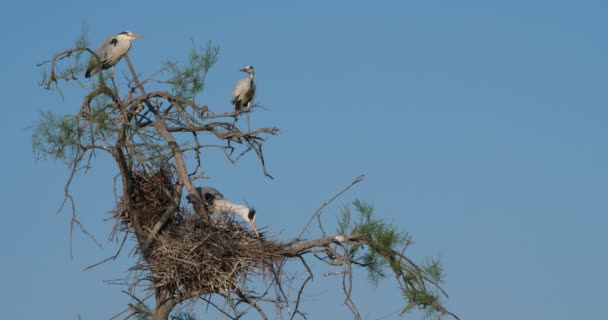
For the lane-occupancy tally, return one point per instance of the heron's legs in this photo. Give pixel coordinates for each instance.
(113, 82)
(234, 123)
(248, 125)
(248, 112)
(248, 118)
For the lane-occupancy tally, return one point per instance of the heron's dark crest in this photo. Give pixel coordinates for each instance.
(251, 215)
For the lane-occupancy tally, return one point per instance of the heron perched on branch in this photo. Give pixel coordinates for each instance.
(215, 203)
(244, 91)
(110, 52)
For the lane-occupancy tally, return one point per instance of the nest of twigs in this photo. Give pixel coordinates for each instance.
(151, 195)
(206, 258)
(187, 254)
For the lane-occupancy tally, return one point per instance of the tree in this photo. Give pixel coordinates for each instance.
(155, 139)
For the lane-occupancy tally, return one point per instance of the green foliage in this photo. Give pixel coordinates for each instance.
(187, 80)
(182, 315)
(384, 252)
(386, 236)
(56, 137)
(433, 268)
(344, 221)
(82, 42)
(70, 68)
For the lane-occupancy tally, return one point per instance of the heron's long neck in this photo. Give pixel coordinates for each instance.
(225, 206)
(251, 76)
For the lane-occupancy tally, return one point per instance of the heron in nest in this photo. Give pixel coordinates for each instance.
(216, 203)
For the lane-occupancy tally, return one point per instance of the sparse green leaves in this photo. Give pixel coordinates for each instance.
(56, 137)
(83, 41)
(433, 268)
(344, 221)
(182, 315)
(66, 65)
(386, 237)
(384, 252)
(187, 80)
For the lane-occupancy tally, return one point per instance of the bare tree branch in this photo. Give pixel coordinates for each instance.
(318, 212)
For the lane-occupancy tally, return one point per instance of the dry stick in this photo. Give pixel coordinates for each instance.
(347, 299)
(109, 258)
(68, 196)
(248, 301)
(163, 220)
(217, 307)
(162, 130)
(60, 56)
(258, 151)
(310, 277)
(321, 242)
(129, 307)
(318, 212)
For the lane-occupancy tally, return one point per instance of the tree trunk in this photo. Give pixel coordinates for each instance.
(164, 305)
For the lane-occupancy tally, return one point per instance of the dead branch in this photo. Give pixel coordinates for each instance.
(318, 212)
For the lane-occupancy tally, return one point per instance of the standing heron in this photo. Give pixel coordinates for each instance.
(110, 52)
(244, 92)
(215, 203)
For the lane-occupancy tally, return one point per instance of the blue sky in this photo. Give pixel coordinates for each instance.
(481, 128)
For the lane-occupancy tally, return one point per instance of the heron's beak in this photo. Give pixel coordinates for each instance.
(255, 230)
(244, 70)
(135, 36)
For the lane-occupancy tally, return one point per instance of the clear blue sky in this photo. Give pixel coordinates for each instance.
(481, 127)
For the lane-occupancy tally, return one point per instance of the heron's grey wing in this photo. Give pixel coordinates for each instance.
(105, 49)
(116, 50)
(94, 64)
(239, 89)
(206, 192)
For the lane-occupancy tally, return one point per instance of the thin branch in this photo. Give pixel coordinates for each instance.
(217, 308)
(124, 239)
(248, 301)
(305, 246)
(309, 278)
(146, 246)
(318, 212)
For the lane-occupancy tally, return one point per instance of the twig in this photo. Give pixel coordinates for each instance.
(146, 246)
(124, 239)
(309, 278)
(318, 212)
(217, 307)
(248, 301)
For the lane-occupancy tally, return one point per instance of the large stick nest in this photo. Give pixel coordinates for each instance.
(197, 257)
(188, 255)
(151, 196)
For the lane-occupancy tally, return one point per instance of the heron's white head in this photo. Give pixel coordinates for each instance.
(248, 69)
(247, 214)
(126, 35)
(251, 220)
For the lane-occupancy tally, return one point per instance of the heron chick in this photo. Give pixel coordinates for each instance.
(110, 52)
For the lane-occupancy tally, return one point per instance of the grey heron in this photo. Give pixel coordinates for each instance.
(244, 91)
(110, 52)
(216, 203)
